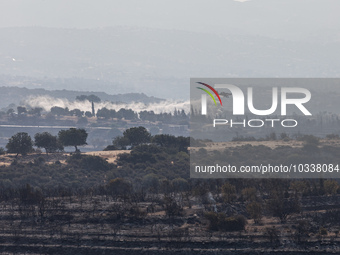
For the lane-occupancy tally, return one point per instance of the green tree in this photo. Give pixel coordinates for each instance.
(76, 112)
(147, 115)
(47, 141)
(228, 192)
(220, 222)
(180, 184)
(272, 234)
(151, 182)
(81, 98)
(91, 98)
(21, 110)
(165, 140)
(127, 114)
(137, 135)
(299, 187)
(255, 211)
(20, 143)
(310, 139)
(249, 194)
(331, 187)
(10, 111)
(73, 137)
(35, 111)
(88, 114)
(120, 142)
(104, 113)
(59, 111)
(281, 207)
(119, 187)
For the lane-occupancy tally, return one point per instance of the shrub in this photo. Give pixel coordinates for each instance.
(323, 231)
(332, 136)
(220, 222)
(281, 207)
(331, 187)
(272, 234)
(255, 211)
(119, 187)
(228, 192)
(172, 208)
(301, 232)
(249, 194)
(180, 184)
(111, 148)
(310, 139)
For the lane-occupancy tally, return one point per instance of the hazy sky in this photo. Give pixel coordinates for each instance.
(263, 17)
(257, 38)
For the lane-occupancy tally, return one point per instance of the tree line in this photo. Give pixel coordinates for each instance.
(177, 116)
(22, 143)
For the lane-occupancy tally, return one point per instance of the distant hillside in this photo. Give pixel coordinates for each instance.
(15, 95)
(157, 62)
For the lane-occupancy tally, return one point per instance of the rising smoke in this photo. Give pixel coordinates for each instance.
(47, 103)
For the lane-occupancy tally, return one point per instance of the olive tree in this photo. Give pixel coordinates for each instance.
(47, 141)
(73, 137)
(20, 143)
(137, 135)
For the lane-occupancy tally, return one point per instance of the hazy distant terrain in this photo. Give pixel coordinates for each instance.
(112, 79)
(158, 62)
(25, 96)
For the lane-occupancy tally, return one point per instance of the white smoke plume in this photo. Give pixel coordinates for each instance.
(47, 103)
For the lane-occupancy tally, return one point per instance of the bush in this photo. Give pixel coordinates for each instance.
(111, 148)
(323, 231)
(94, 163)
(172, 208)
(228, 192)
(255, 211)
(249, 194)
(220, 222)
(310, 139)
(272, 234)
(88, 162)
(301, 233)
(332, 136)
(180, 184)
(331, 187)
(119, 187)
(281, 207)
(311, 148)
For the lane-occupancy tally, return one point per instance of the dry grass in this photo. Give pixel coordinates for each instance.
(51, 158)
(109, 156)
(270, 144)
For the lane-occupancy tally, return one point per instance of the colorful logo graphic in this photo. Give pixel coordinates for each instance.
(239, 99)
(209, 93)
